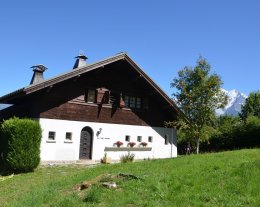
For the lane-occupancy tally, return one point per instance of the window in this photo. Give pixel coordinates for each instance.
(166, 139)
(127, 101)
(51, 136)
(150, 139)
(127, 138)
(138, 103)
(133, 102)
(139, 138)
(90, 96)
(68, 136)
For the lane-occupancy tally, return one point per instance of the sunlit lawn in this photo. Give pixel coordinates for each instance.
(217, 179)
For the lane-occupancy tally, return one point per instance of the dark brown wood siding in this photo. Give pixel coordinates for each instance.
(65, 100)
(104, 114)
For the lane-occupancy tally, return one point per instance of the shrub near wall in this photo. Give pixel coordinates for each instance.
(20, 144)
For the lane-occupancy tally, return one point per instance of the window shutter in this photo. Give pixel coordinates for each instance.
(106, 97)
(102, 96)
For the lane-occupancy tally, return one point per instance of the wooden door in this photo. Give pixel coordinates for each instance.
(85, 148)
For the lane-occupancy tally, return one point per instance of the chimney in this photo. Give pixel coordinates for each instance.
(38, 74)
(81, 61)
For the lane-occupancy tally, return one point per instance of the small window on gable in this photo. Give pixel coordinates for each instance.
(51, 135)
(126, 101)
(138, 103)
(68, 136)
(90, 96)
(166, 139)
(133, 102)
(127, 138)
(139, 138)
(150, 139)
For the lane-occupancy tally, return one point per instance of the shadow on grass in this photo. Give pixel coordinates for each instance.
(4, 171)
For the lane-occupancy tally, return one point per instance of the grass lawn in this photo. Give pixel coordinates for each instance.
(217, 179)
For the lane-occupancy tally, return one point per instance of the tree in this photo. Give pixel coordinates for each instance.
(251, 106)
(198, 95)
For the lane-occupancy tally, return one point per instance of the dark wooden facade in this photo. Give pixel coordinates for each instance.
(65, 100)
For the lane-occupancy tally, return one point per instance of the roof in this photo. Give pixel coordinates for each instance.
(8, 98)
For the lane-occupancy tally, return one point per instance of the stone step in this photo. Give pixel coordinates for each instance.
(88, 162)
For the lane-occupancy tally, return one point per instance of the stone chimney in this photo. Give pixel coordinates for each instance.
(38, 74)
(81, 61)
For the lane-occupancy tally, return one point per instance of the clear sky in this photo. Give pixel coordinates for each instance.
(161, 36)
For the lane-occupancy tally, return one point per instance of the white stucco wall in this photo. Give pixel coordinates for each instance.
(110, 133)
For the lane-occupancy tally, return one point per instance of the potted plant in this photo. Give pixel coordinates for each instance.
(143, 144)
(131, 144)
(119, 143)
(106, 159)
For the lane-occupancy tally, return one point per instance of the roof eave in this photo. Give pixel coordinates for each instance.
(13, 95)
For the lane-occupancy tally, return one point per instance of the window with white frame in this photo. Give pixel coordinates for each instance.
(51, 135)
(166, 139)
(139, 138)
(68, 136)
(127, 138)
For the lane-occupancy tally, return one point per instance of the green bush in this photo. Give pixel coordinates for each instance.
(129, 157)
(20, 144)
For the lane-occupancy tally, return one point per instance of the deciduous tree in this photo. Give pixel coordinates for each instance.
(198, 95)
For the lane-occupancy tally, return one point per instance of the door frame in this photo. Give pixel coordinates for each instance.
(90, 130)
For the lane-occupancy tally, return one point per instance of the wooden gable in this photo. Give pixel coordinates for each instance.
(64, 97)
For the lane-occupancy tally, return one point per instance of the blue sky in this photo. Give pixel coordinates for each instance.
(160, 36)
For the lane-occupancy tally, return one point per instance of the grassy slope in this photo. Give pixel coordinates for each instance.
(220, 179)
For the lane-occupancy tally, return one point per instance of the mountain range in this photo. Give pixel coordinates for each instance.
(235, 100)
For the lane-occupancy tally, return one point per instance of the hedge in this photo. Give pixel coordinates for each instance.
(20, 144)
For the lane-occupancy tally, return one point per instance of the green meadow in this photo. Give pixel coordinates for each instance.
(217, 179)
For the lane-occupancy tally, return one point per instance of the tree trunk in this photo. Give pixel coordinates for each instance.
(198, 146)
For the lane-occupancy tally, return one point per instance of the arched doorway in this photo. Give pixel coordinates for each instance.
(85, 147)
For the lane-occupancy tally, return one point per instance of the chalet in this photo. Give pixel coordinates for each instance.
(94, 108)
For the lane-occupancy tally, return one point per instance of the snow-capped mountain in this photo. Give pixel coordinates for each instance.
(235, 100)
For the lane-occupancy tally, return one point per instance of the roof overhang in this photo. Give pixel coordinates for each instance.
(12, 97)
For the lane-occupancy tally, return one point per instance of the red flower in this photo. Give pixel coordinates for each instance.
(119, 143)
(144, 144)
(131, 144)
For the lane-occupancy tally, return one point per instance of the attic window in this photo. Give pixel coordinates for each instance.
(133, 102)
(90, 96)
